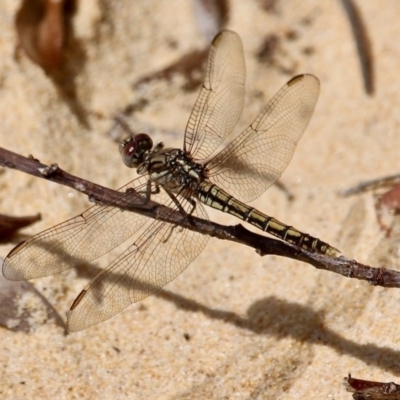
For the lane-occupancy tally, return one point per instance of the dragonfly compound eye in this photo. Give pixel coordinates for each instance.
(134, 148)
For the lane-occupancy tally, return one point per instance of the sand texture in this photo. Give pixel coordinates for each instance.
(233, 325)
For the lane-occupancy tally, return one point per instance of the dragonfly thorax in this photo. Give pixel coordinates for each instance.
(173, 168)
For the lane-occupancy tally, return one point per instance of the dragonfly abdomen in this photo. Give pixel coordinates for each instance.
(217, 198)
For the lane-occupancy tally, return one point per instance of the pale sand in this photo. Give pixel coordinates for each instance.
(262, 328)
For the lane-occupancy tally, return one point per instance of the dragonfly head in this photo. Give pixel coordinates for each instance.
(134, 149)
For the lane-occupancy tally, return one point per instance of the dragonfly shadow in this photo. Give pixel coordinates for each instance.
(269, 316)
(279, 318)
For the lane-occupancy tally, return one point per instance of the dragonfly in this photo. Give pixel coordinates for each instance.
(214, 168)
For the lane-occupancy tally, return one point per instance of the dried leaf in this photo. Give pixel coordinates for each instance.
(42, 29)
(372, 390)
(9, 225)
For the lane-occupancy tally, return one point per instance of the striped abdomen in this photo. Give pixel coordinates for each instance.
(215, 197)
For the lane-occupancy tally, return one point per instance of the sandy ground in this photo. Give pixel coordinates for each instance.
(233, 325)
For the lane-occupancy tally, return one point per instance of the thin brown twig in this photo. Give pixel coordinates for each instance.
(373, 184)
(363, 44)
(237, 233)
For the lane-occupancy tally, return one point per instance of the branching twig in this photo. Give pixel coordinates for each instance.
(263, 245)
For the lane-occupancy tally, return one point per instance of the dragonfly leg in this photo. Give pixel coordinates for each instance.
(151, 189)
(191, 201)
(176, 201)
(165, 238)
(185, 214)
(193, 204)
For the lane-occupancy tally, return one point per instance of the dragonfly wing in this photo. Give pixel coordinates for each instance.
(75, 241)
(160, 251)
(251, 163)
(220, 101)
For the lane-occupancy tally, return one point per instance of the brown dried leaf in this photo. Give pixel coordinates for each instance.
(42, 29)
(372, 390)
(9, 225)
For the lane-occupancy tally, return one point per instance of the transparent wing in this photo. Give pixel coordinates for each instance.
(159, 252)
(220, 101)
(252, 162)
(75, 241)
